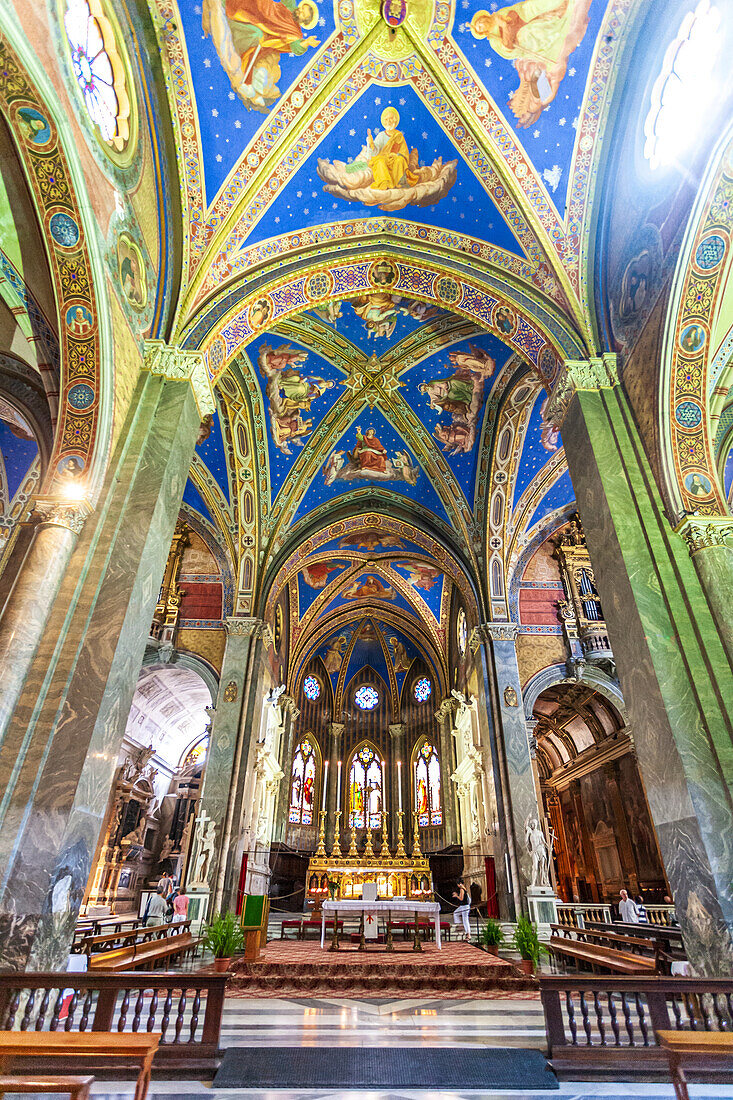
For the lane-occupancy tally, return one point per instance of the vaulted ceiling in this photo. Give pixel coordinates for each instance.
(384, 209)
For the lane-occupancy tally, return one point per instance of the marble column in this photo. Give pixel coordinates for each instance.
(398, 745)
(59, 753)
(333, 749)
(709, 540)
(672, 664)
(521, 791)
(58, 524)
(229, 733)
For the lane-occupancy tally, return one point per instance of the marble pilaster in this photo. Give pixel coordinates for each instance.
(58, 756)
(671, 661)
(709, 540)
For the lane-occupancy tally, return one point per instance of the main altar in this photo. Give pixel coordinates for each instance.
(339, 874)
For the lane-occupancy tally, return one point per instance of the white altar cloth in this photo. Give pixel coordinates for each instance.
(432, 908)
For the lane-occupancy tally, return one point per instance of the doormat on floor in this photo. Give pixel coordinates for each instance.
(377, 1067)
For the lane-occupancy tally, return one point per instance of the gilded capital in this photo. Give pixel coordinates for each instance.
(396, 730)
(241, 627)
(178, 364)
(495, 632)
(71, 515)
(705, 532)
(336, 730)
(580, 375)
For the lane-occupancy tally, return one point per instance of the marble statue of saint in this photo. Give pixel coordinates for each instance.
(205, 844)
(539, 852)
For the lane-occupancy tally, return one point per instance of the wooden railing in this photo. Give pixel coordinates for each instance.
(185, 1008)
(607, 1025)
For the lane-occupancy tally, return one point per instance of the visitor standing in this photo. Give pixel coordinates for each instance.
(180, 906)
(627, 909)
(641, 910)
(460, 916)
(157, 908)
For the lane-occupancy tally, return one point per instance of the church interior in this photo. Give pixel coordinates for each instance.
(366, 548)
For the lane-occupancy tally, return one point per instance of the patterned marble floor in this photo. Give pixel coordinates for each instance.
(274, 1022)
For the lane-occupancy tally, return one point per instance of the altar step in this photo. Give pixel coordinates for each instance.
(292, 967)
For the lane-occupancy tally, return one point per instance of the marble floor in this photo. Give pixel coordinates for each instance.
(279, 1022)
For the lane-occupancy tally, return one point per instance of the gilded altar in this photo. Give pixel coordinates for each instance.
(342, 875)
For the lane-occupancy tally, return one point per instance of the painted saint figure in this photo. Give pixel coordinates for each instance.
(538, 36)
(251, 35)
(386, 173)
(289, 393)
(369, 453)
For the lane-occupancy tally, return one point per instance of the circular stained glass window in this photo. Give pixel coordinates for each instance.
(366, 697)
(422, 689)
(99, 70)
(311, 688)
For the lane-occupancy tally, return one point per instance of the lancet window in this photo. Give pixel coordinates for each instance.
(366, 779)
(427, 785)
(303, 784)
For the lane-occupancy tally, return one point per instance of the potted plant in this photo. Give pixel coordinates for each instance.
(492, 936)
(224, 936)
(527, 943)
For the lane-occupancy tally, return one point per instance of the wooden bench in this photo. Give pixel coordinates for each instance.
(74, 1045)
(144, 954)
(77, 1087)
(601, 958)
(703, 1048)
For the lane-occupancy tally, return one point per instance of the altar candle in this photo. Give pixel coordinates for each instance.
(399, 782)
(325, 784)
(338, 788)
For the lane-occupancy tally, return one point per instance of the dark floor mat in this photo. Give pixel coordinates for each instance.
(377, 1067)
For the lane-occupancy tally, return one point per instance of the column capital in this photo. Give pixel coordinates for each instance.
(337, 730)
(704, 532)
(287, 705)
(178, 364)
(238, 626)
(69, 514)
(493, 632)
(397, 729)
(445, 710)
(576, 375)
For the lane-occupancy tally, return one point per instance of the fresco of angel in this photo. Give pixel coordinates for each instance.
(368, 540)
(550, 433)
(461, 395)
(250, 37)
(386, 173)
(421, 575)
(289, 393)
(538, 36)
(370, 461)
(366, 588)
(317, 573)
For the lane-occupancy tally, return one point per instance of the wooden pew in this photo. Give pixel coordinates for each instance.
(77, 1087)
(74, 1045)
(597, 957)
(144, 954)
(702, 1048)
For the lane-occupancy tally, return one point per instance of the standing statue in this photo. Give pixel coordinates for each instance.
(205, 843)
(539, 852)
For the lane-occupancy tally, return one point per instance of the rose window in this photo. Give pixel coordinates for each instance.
(366, 697)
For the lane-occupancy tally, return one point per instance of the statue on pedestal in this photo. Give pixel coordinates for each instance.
(539, 852)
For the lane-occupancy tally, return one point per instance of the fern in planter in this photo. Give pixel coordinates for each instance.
(224, 936)
(527, 942)
(492, 935)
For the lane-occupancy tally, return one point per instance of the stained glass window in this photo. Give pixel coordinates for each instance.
(461, 632)
(366, 697)
(311, 688)
(423, 688)
(197, 753)
(98, 70)
(303, 784)
(427, 786)
(684, 87)
(365, 789)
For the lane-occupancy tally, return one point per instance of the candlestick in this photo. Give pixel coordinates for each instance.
(338, 787)
(399, 783)
(401, 853)
(321, 849)
(325, 784)
(336, 850)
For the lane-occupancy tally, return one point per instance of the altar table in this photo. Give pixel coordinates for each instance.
(431, 908)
